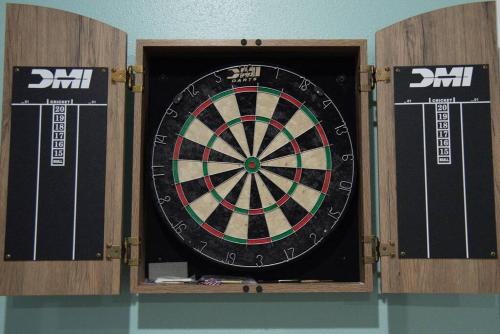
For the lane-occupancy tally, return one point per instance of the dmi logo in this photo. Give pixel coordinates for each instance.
(244, 74)
(457, 77)
(77, 78)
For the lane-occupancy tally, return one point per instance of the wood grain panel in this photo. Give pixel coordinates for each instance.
(38, 36)
(357, 48)
(463, 34)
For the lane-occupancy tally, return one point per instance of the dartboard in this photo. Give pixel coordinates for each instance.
(252, 166)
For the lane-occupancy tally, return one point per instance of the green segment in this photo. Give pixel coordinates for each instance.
(328, 157)
(309, 114)
(282, 235)
(262, 119)
(193, 215)
(271, 207)
(318, 203)
(268, 90)
(299, 160)
(211, 141)
(240, 210)
(222, 94)
(233, 122)
(205, 168)
(216, 195)
(187, 124)
(235, 240)
(175, 172)
(287, 134)
(292, 189)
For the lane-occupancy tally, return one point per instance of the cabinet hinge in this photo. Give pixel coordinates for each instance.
(372, 76)
(128, 76)
(113, 252)
(127, 246)
(378, 249)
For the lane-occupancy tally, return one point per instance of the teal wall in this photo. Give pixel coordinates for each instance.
(308, 313)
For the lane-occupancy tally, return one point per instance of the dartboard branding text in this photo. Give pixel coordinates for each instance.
(76, 79)
(457, 77)
(244, 74)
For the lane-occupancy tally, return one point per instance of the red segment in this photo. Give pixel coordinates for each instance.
(248, 118)
(302, 222)
(291, 99)
(209, 183)
(206, 154)
(245, 89)
(177, 147)
(256, 211)
(259, 241)
(282, 200)
(322, 134)
(326, 182)
(295, 146)
(298, 175)
(221, 129)
(276, 124)
(212, 230)
(227, 205)
(181, 195)
(202, 107)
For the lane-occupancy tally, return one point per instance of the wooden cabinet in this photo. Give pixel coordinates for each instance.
(458, 35)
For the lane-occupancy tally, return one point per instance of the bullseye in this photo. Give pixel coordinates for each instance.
(252, 164)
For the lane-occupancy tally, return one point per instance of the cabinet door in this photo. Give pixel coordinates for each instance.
(61, 159)
(440, 205)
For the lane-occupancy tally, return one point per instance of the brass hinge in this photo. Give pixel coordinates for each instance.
(378, 249)
(374, 75)
(113, 252)
(127, 246)
(128, 76)
(131, 72)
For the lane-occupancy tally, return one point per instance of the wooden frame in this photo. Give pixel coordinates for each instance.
(357, 47)
(80, 41)
(468, 34)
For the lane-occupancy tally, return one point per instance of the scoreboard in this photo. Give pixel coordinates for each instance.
(55, 207)
(444, 166)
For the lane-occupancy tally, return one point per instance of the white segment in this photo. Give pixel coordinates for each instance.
(229, 110)
(282, 182)
(206, 204)
(297, 125)
(201, 134)
(287, 161)
(306, 197)
(311, 159)
(275, 219)
(275, 144)
(314, 159)
(238, 223)
(193, 169)
(265, 106)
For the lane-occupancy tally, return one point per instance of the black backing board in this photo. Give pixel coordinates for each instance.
(55, 204)
(338, 258)
(444, 162)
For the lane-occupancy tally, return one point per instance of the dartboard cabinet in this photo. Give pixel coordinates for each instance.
(250, 158)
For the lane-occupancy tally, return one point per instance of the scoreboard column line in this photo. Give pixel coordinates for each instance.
(425, 178)
(35, 237)
(76, 180)
(464, 183)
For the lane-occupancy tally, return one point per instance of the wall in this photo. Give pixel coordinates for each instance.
(332, 313)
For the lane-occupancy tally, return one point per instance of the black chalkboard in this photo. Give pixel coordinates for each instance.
(55, 204)
(444, 162)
